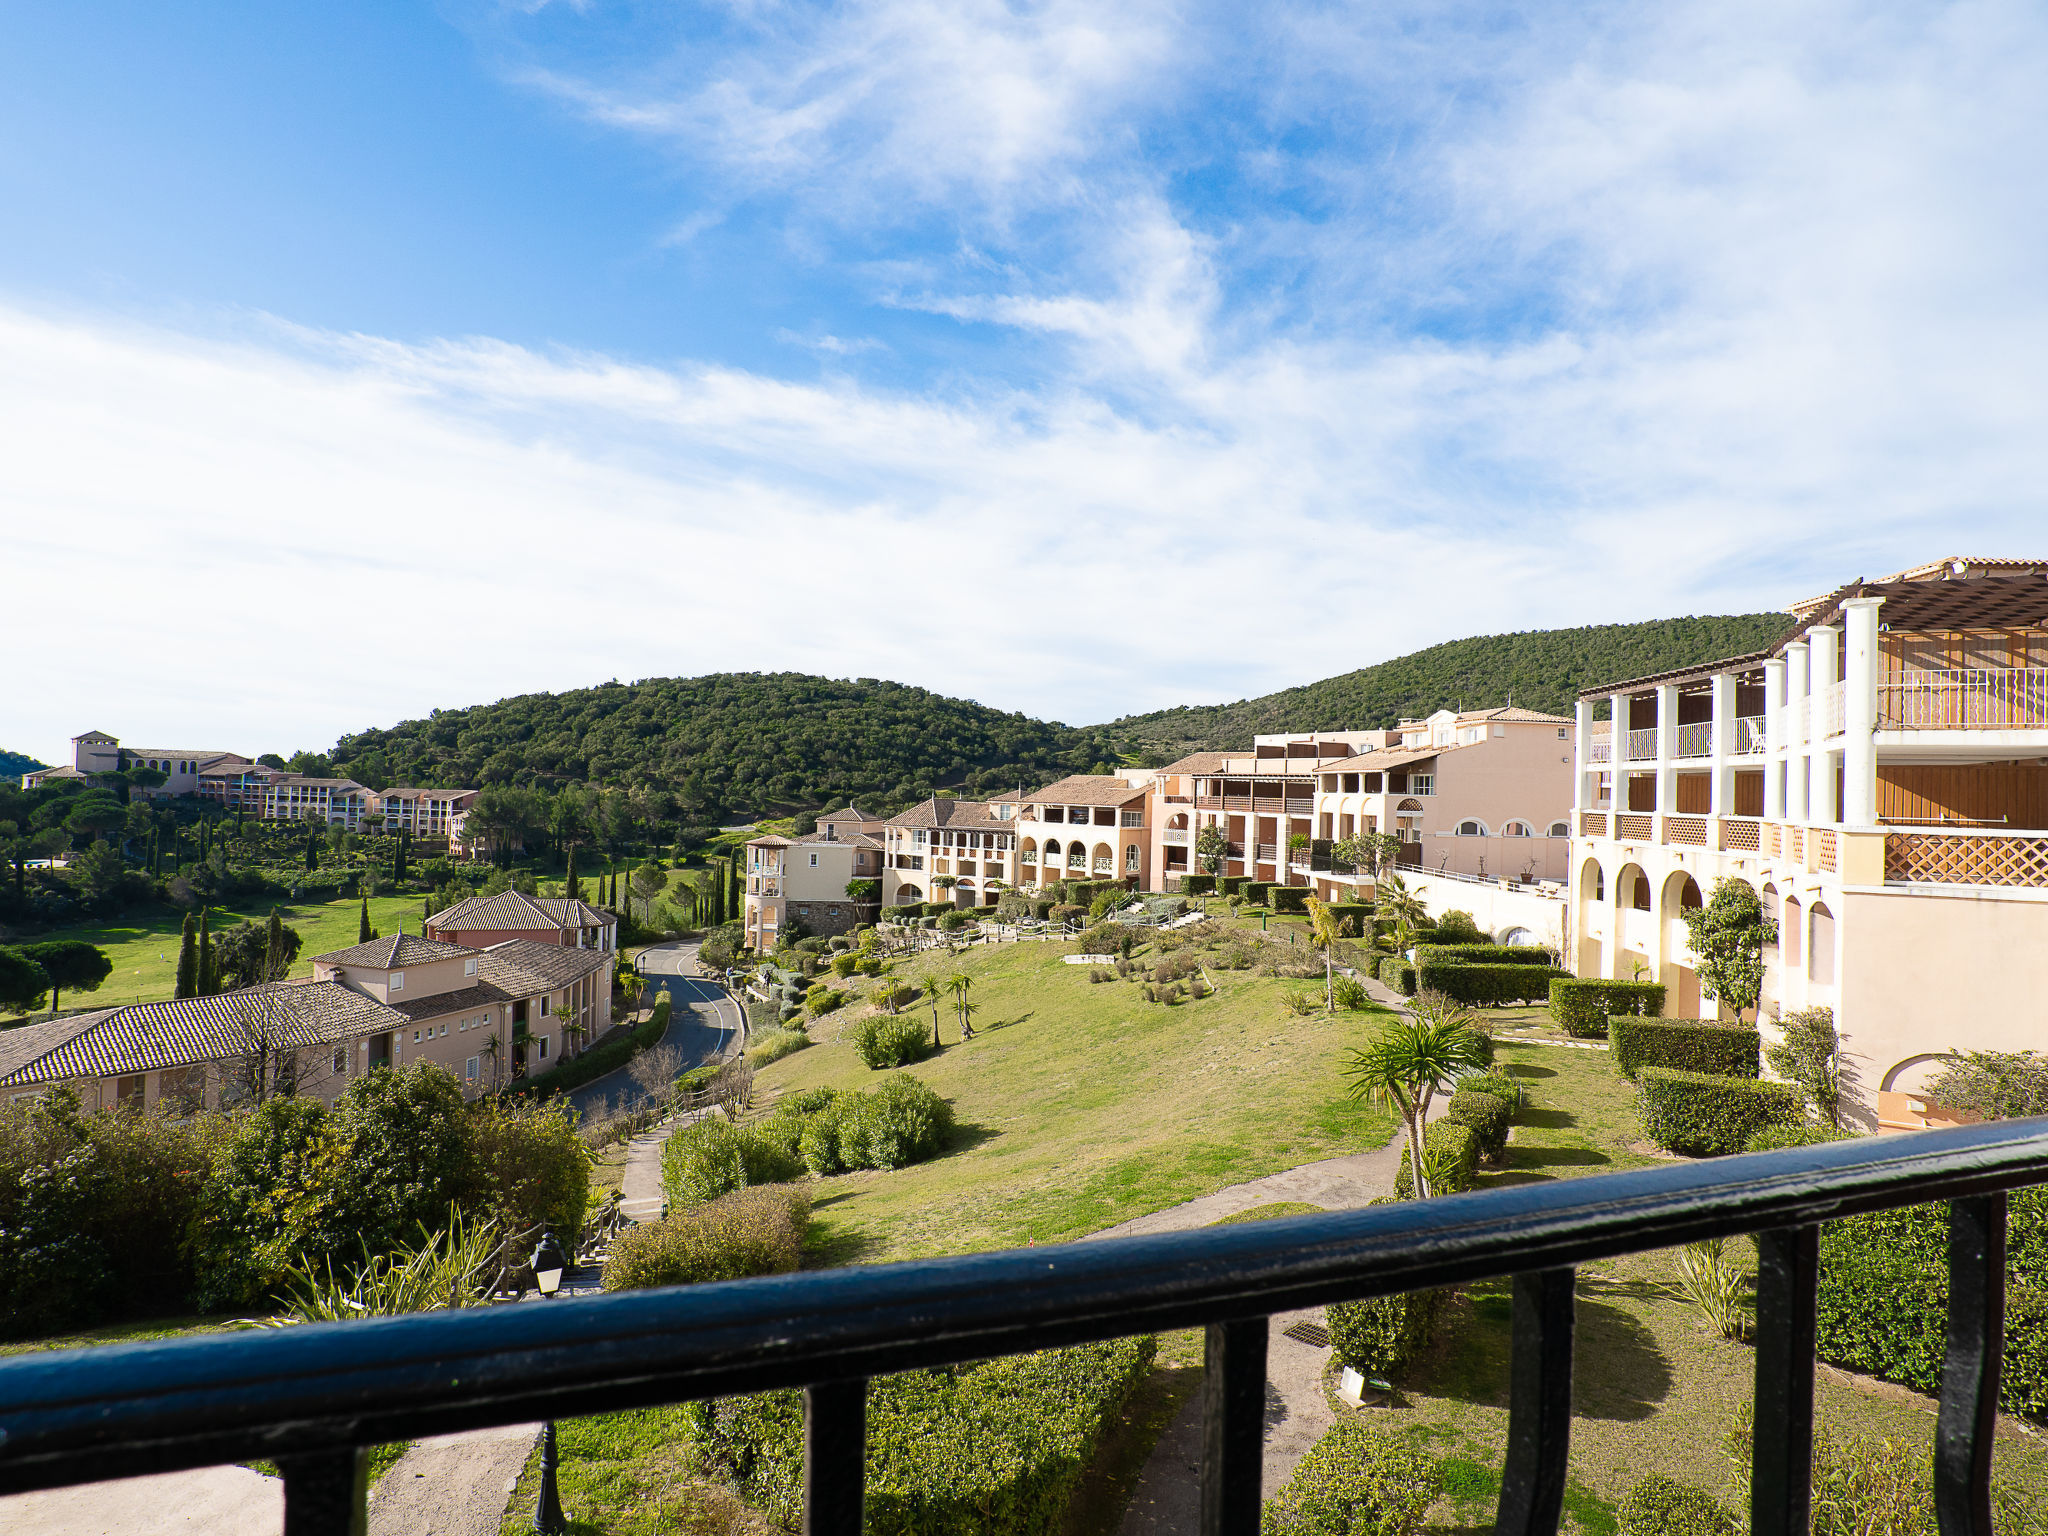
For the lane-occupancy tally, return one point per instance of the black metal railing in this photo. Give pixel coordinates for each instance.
(312, 1397)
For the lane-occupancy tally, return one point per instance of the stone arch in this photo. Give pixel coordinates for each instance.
(1592, 881)
(1052, 849)
(1517, 828)
(1077, 856)
(1892, 1082)
(1820, 945)
(1791, 937)
(1102, 860)
(1632, 889)
(1560, 829)
(1178, 821)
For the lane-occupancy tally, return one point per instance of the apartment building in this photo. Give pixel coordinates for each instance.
(96, 753)
(1880, 777)
(486, 1015)
(481, 921)
(1087, 826)
(805, 878)
(971, 842)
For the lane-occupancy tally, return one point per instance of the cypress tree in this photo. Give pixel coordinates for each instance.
(188, 960)
(363, 934)
(571, 886)
(209, 977)
(273, 945)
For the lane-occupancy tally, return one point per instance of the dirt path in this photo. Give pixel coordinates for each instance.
(212, 1501)
(453, 1485)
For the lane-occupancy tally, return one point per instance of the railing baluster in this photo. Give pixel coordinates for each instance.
(1233, 1428)
(326, 1493)
(835, 1457)
(1781, 1460)
(1539, 1404)
(1969, 1379)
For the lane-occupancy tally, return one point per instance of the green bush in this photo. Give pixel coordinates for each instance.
(868, 965)
(1487, 1115)
(882, 1040)
(535, 1167)
(753, 1231)
(1456, 927)
(1776, 1138)
(598, 1060)
(902, 1122)
(1659, 1506)
(1486, 954)
(1288, 898)
(1067, 912)
(1398, 973)
(713, 1157)
(1687, 1045)
(1349, 993)
(1353, 918)
(1508, 1089)
(1453, 1147)
(955, 920)
(776, 1044)
(1379, 1336)
(1494, 984)
(1231, 885)
(1198, 885)
(1703, 1116)
(1255, 891)
(994, 1449)
(1355, 1482)
(1582, 1008)
(909, 912)
(843, 963)
(821, 1000)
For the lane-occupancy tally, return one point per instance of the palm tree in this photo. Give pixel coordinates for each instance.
(1410, 1061)
(490, 1049)
(933, 992)
(1323, 934)
(959, 984)
(1402, 906)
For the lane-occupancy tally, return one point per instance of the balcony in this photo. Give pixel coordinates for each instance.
(1964, 699)
(1966, 858)
(1642, 745)
(1599, 749)
(1833, 699)
(1180, 836)
(1694, 740)
(1751, 735)
(1592, 824)
(1632, 828)
(314, 1398)
(1266, 854)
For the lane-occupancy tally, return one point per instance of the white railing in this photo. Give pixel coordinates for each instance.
(1599, 750)
(1751, 734)
(1964, 699)
(1802, 717)
(1832, 701)
(1642, 745)
(1695, 740)
(1179, 835)
(1265, 854)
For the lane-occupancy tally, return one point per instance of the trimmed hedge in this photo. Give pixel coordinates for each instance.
(1487, 1115)
(1398, 973)
(1686, 1045)
(1288, 898)
(1508, 1089)
(1353, 918)
(1442, 1137)
(1231, 885)
(1255, 891)
(903, 914)
(1662, 1506)
(1486, 954)
(1704, 1116)
(754, 1231)
(1493, 984)
(1198, 885)
(1355, 1482)
(1379, 1336)
(994, 1449)
(1583, 1007)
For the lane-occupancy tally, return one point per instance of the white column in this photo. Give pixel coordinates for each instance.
(1859, 712)
(1797, 779)
(1582, 735)
(1667, 746)
(1721, 798)
(1774, 738)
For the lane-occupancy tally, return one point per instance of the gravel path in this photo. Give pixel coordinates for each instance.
(215, 1501)
(453, 1485)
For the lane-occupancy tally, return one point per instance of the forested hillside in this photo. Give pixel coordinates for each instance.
(14, 764)
(730, 746)
(1544, 669)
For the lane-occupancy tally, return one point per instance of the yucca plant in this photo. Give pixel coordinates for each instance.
(1715, 1286)
(443, 1271)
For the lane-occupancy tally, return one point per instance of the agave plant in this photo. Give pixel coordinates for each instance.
(443, 1271)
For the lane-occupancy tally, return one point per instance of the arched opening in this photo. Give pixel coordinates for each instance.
(1518, 829)
(1632, 889)
(1104, 860)
(1077, 856)
(1560, 829)
(1519, 936)
(1820, 946)
(1178, 821)
(1052, 850)
(1408, 805)
(1469, 828)
(1592, 881)
(1789, 931)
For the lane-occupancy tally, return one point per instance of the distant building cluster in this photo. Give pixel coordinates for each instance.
(254, 789)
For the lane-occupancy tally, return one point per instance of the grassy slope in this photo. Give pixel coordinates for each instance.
(144, 949)
(1082, 1105)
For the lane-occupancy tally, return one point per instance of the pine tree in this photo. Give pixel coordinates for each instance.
(188, 960)
(209, 974)
(363, 934)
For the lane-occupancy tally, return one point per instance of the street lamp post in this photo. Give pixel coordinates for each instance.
(548, 1264)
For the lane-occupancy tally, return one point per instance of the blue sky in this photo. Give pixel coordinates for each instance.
(1081, 359)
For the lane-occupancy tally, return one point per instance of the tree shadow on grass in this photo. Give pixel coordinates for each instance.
(1545, 1119)
(995, 1024)
(1526, 1069)
(1531, 1158)
(967, 1137)
(827, 1246)
(1618, 1372)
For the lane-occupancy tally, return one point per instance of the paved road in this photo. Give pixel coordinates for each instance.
(703, 1024)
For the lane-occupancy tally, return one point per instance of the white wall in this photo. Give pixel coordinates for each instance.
(1495, 907)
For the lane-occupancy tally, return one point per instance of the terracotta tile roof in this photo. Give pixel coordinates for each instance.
(1087, 789)
(941, 812)
(1514, 713)
(771, 840)
(850, 813)
(844, 840)
(1383, 758)
(576, 913)
(1197, 762)
(521, 967)
(483, 995)
(146, 1036)
(386, 954)
(206, 757)
(510, 911)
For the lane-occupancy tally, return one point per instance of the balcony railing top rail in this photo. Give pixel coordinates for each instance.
(1833, 701)
(1964, 699)
(312, 1397)
(1693, 740)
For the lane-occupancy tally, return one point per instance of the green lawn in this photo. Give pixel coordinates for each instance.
(144, 948)
(1081, 1105)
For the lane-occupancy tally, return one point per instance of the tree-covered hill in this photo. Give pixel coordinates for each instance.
(1544, 669)
(14, 764)
(731, 745)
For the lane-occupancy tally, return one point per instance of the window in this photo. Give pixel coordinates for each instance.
(1517, 829)
(1421, 783)
(1560, 829)
(397, 982)
(1133, 818)
(1471, 829)
(543, 1047)
(1561, 732)
(341, 1062)
(469, 1069)
(814, 861)
(415, 1037)
(469, 967)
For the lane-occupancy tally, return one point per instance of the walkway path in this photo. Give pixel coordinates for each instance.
(211, 1501)
(453, 1485)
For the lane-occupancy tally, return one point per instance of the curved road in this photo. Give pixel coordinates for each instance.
(703, 1023)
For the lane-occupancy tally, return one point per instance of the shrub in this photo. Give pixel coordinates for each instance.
(535, 1167)
(903, 914)
(843, 964)
(1353, 918)
(1486, 954)
(1398, 974)
(822, 1000)
(1176, 967)
(1495, 984)
(1582, 1008)
(1774, 1138)
(1660, 1506)
(1198, 885)
(1487, 1115)
(1687, 1045)
(902, 1122)
(1355, 1482)
(1230, 885)
(1456, 927)
(1452, 1150)
(993, 1449)
(868, 965)
(1288, 898)
(1703, 1116)
(776, 1044)
(882, 1040)
(1508, 1089)
(1068, 912)
(713, 1157)
(954, 920)
(753, 1231)
(1254, 891)
(1349, 993)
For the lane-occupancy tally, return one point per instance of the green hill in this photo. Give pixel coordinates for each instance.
(14, 764)
(734, 745)
(1543, 669)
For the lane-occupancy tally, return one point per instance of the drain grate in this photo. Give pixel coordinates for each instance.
(1312, 1334)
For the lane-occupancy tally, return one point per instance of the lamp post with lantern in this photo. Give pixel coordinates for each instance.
(549, 1263)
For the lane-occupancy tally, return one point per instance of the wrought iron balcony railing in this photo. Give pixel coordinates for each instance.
(313, 1398)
